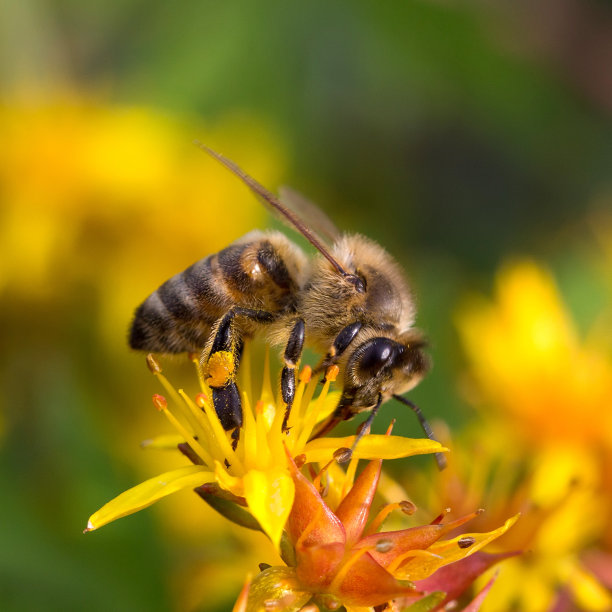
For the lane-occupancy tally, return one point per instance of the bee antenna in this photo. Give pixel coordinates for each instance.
(440, 458)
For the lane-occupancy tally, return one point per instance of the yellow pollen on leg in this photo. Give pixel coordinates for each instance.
(220, 368)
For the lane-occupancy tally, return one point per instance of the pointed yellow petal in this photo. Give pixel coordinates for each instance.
(270, 496)
(449, 551)
(148, 492)
(372, 447)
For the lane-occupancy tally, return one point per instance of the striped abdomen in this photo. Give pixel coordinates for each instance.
(261, 272)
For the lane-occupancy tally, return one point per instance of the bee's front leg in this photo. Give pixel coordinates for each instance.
(293, 352)
(341, 343)
(222, 365)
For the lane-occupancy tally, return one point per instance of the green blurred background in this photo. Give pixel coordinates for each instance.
(456, 134)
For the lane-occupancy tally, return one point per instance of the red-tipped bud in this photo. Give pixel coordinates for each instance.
(440, 516)
(159, 401)
(299, 460)
(390, 428)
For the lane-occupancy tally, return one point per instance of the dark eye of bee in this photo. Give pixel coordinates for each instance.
(377, 353)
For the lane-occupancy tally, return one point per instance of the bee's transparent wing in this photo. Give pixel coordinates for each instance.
(272, 203)
(310, 213)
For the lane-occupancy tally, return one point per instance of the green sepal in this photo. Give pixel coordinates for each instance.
(229, 506)
(430, 602)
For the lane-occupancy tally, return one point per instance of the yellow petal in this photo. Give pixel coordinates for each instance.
(233, 484)
(148, 492)
(270, 496)
(449, 551)
(586, 589)
(163, 442)
(373, 446)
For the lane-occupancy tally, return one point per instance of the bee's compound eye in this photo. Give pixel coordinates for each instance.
(375, 355)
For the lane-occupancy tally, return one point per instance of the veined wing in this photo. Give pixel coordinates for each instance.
(272, 203)
(310, 213)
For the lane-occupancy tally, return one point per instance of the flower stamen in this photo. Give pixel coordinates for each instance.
(196, 362)
(349, 477)
(191, 441)
(202, 423)
(313, 413)
(380, 518)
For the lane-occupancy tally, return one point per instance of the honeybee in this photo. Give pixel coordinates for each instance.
(350, 302)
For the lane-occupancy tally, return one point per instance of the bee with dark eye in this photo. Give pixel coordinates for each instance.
(350, 302)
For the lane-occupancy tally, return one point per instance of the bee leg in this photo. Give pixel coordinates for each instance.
(222, 365)
(440, 458)
(293, 352)
(341, 343)
(363, 429)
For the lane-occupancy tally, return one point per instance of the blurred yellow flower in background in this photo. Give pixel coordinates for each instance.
(99, 204)
(118, 197)
(530, 365)
(542, 445)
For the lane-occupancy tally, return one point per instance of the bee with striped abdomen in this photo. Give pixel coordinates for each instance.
(350, 302)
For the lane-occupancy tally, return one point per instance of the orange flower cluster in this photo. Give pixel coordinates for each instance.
(341, 560)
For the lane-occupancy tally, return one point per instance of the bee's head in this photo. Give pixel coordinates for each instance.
(383, 366)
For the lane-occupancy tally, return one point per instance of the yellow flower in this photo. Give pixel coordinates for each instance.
(253, 472)
(529, 364)
(341, 559)
(543, 444)
(101, 202)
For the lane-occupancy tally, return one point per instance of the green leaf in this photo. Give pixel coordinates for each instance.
(430, 602)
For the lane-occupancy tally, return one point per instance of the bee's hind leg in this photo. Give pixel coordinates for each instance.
(293, 352)
(222, 365)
